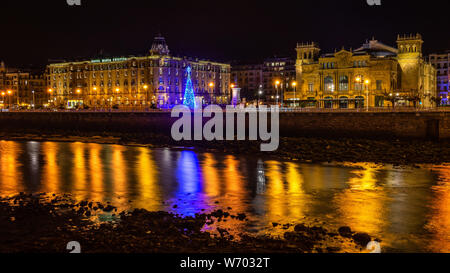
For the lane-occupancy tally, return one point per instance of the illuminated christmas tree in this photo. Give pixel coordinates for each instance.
(189, 98)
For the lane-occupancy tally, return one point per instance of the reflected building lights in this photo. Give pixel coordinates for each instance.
(149, 190)
(79, 171)
(51, 178)
(261, 178)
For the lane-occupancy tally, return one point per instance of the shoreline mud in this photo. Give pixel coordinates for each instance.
(44, 223)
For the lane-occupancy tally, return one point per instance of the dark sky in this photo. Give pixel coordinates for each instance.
(34, 31)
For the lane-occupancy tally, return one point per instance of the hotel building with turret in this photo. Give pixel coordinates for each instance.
(155, 80)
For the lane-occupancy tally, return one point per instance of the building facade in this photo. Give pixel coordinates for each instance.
(22, 88)
(279, 74)
(374, 75)
(266, 82)
(442, 62)
(155, 80)
(249, 77)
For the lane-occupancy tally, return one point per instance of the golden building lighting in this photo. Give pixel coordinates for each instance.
(365, 76)
(155, 80)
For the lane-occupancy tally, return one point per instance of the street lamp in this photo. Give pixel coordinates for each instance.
(9, 97)
(3, 98)
(367, 82)
(78, 97)
(211, 86)
(34, 103)
(294, 84)
(118, 98)
(277, 83)
(49, 91)
(146, 95)
(260, 92)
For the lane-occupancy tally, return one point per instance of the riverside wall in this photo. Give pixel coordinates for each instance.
(426, 125)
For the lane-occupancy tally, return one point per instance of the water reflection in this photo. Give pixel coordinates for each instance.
(408, 208)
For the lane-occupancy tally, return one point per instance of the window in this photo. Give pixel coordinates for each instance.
(358, 83)
(311, 87)
(329, 84)
(343, 103)
(343, 83)
(379, 85)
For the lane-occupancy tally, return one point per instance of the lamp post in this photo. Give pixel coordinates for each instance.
(360, 80)
(146, 95)
(118, 98)
(260, 92)
(9, 98)
(78, 97)
(34, 103)
(367, 82)
(294, 84)
(95, 98)
(3, 99)
(277, 83)
(211, 86)
(49, 91)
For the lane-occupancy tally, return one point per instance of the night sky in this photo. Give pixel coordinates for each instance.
(34, 31)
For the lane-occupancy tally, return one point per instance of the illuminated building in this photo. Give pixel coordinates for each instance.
(21, 87)
(442, 62)
(278, 75)
(155, 80)
(375, 73)
(258, 81)
(249, 77)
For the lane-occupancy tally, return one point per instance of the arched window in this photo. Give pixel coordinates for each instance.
(343, 83)
(328, 102)
(359, 102)
(343, 103)
(329, 84)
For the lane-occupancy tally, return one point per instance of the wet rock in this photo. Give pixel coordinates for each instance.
(345, 232)
(362, 239)
(300, 228)
(109, 208)
(241, 216)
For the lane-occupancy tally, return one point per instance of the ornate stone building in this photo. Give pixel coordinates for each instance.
(155, 80)
(21, 88)
(375, 74)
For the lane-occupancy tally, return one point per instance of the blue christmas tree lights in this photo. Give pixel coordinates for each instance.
(189, 98)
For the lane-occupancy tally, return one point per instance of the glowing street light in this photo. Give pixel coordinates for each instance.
(294, 84)
(367, 82)
(146, 94)
(9, 97)
(277, 83)
(211, 86)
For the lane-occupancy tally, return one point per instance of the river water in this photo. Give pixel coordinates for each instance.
(407, 208)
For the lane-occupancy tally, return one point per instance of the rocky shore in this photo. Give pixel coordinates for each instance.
(46, 223)
(398, 152)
